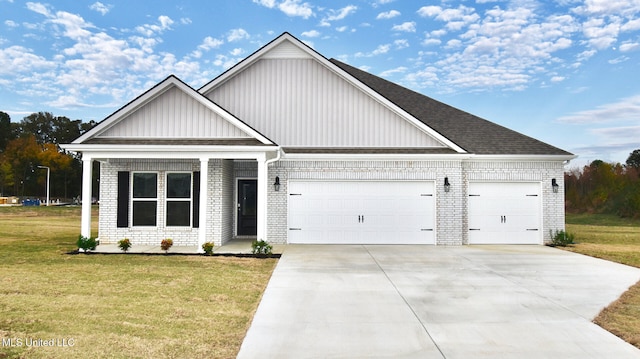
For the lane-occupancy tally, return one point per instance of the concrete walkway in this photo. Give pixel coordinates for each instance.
(352, 301)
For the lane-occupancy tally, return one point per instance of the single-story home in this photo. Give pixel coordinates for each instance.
(291, 147)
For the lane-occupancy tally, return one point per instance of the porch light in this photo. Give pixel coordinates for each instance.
(276, 184)
(554, 185)
(447, 185)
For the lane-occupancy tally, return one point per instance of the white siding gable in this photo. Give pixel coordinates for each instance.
(299, 102)
(173, 114)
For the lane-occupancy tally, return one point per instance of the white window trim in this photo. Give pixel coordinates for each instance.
(167, 199)
(132, 199)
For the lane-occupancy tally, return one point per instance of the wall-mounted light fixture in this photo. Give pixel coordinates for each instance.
(554, 185)
(276, 184)
(447, 185)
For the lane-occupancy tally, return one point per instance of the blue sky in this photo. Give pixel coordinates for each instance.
(564, 71)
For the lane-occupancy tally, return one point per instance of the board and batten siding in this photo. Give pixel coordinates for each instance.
(174, 114)
(299, 102)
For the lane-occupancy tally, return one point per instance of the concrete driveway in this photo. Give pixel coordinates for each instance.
(378, 301)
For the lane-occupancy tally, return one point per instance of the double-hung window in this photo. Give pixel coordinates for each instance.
(145, 198)
(178, 202)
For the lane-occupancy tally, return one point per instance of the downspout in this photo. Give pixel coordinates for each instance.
(277, 158)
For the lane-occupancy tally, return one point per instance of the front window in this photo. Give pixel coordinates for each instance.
(145, 198)
(179, 199)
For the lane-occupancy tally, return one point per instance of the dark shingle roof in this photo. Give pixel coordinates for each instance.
(472, 133)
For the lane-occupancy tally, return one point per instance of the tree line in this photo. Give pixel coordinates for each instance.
(602, 187)
(28, 147)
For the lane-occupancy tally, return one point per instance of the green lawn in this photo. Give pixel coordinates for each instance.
(618, 240)
(116, 306)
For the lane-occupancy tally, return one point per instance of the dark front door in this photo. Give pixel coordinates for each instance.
(247, 207)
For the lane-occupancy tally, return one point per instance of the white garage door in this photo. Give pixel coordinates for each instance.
(361, 212)
(504, 213)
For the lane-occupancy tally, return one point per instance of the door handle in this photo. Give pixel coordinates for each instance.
(359, 219)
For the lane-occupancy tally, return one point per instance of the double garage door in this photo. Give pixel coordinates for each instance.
(401, 212)
(368, 212)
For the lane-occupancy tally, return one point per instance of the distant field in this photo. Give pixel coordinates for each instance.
(618, 240)
(117, 306)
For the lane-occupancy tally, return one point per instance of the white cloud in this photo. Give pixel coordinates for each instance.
(288, 7)
(429, 11)
(391, 72)
(401, 44)
(629, 46)
(627, 109)
(100, 7)
(557, 78)
(409, 26)
(267, 3)
(10, 23)
(431, 42)
(296, 8)
(149, 30)
(340, 14)
(237, 52)
(381, 49)
(600, 34)
(342, 28)
(20, 60)
(312, 33)
(237, 35)
(209, 43)
(388, 14)
(39, 8)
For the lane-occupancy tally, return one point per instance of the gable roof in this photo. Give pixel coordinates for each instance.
(288, 46)
(146, 119)
(472, 133)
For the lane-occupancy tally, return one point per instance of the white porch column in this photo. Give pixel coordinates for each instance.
(263, 187)
(204, 196)
(87, 171)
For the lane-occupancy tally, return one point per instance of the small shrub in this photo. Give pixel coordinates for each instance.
(87, 243)
(166, 244)
(208, 248)
(561, 238)
(124, 244)
(261, 247)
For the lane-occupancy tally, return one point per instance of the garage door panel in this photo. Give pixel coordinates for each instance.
(361, 212)
(504, 213)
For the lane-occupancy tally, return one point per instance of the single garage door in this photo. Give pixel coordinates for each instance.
(380, 212)
(504, 213)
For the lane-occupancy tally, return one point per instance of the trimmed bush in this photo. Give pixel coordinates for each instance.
(166, 244)
(124, 244)
(208, 248)
(87, 243)
(561, 238)
(261, 247)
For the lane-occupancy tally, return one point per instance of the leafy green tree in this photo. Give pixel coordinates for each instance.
(634, 159)
(5, 130)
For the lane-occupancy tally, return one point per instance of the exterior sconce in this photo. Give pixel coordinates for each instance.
(447, 185)
(276, 184)
(554, 185)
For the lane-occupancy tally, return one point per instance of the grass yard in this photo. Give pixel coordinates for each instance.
(116, 306)
(618, 240)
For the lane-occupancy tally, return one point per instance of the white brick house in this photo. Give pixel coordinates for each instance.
(291, 147)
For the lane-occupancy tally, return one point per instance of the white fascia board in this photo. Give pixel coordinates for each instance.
(520, 158)
(171, 152)
(343, 74)
(374, 157)
(157, 91)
